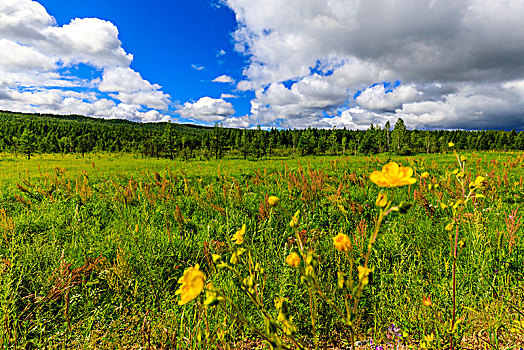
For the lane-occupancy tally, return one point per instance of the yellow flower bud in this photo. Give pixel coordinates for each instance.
(424, 175)
(273, 201)
(238, 237)
(382, 200)
(294, 220)
(293, 260)
(363, 274)
(451, 144)
(449, 227)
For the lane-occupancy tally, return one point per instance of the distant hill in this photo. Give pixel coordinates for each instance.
(43, 118)
(48, 133)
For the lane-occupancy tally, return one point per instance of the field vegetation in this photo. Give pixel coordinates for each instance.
(119, 251)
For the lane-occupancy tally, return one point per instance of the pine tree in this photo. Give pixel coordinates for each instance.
(27, 142)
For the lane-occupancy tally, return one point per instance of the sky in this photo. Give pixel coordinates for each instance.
(437, 64)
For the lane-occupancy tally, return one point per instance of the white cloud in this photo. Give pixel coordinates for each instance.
(357, 44)
(37, 57)
(223, 79)
(377, 98)
(194, 66)
(17, 58)
(223, 95)
(207, 109)
(236, 122)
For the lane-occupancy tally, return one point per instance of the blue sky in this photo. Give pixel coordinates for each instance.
(442, 64)
(181, 45)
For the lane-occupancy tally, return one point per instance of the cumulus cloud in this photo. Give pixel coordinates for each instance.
(437, 49)
(37, 57)
(224, 79)
(207, 109)
(378, 98)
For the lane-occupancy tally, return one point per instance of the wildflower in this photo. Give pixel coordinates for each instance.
(449, 227)
(463, 158)
(273, 201)
(479, 181)
(382, 200)
(342, 242)
(451, 144)
(192, 284)
(363, 274)
(426, 301)
(294, 220)
(393, 175)
(235, 256)
(293, 260)
(457, 203)
(429, 338)
(238, 237)
(424, 175)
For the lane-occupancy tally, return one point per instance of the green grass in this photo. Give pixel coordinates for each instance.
(91, 248)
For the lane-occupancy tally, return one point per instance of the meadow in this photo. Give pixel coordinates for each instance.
(111, 251)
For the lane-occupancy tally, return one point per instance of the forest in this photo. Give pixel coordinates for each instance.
(43, 133)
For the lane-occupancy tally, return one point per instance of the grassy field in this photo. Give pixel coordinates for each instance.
(92, 249)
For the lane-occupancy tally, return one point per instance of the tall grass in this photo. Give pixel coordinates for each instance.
(91, 251)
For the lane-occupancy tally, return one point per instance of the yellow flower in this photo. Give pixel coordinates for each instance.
(342, 242)
(449, 227)
(382, 200)
(424, 175)
(479, 181)
(294, 220)
(363, 274)
(426, 301)
(393, 175)
(293, 260)
(463, 159)
(238, 237)
(429, 338)
(192, 284)
(273, 201)
(451, 144)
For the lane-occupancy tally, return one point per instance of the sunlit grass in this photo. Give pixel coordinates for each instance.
(92, 248)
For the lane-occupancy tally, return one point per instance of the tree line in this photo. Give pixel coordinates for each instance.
(36, 133)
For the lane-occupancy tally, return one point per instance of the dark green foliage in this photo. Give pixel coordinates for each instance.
(30, 133)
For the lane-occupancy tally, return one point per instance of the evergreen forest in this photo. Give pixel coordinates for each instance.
(43, 133)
